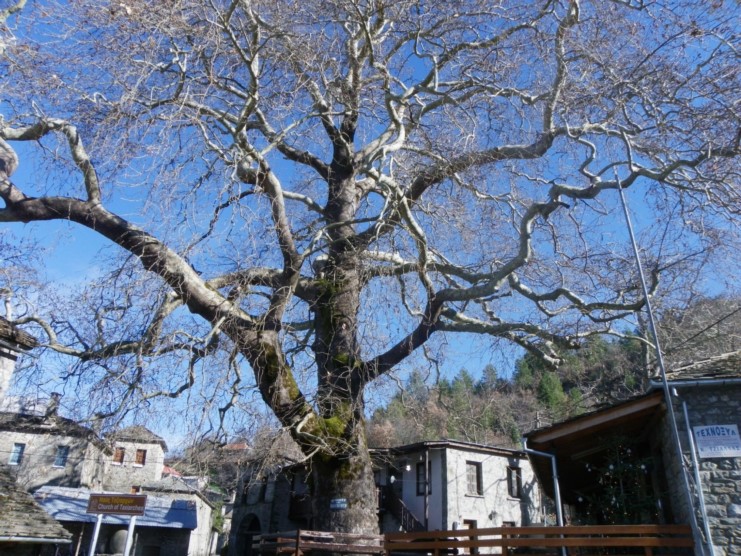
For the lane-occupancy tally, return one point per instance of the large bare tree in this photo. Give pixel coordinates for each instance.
(335, 185)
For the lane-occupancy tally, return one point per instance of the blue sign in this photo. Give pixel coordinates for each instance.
(337, 504)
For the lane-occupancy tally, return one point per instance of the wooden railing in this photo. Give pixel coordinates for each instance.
(582, 540)
(643, 540)
(302, 542)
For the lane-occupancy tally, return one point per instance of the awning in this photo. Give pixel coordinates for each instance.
(70, 505)
(577, 440)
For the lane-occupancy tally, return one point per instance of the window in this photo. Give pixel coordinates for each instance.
(514, 482)
(61, 458)
(421, 479)
(474, 482)
(141, 457)
(16, 454)
(118, 456)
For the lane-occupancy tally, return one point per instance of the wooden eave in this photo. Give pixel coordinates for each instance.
(592, 423)
(579, 440)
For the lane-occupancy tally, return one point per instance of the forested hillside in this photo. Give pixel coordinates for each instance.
(498, 408)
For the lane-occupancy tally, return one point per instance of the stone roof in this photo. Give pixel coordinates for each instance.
(449, 444)
(54, 425)
(720, 367)
(137, 433)
(178, 485)
(22, 519)
(169, 484)
(14, 335)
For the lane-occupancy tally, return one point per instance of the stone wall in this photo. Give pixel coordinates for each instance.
(38, 465)
(720, 477)
(122, 476)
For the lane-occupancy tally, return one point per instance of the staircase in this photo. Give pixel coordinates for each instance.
(395, 505)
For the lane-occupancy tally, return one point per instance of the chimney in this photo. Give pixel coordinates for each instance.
(5, 292)
(53, 406)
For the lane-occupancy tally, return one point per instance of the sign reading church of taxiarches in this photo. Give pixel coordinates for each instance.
(718, 441)
(118, 504)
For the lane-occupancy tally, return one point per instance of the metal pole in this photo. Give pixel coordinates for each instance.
(130, 536)
(660, 359)
(698, 480)
(556, 488)
(79, 540)
(427, 489)
(554, 468)
(96, 532)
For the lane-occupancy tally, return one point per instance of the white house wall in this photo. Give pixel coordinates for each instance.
(415, 502)
(7, 365)
(451, 506)
(494, 507)
(201, 536)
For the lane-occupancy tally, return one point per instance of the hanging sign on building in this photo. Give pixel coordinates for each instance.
(718, 441)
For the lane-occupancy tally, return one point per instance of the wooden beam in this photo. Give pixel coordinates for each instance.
(604, 417)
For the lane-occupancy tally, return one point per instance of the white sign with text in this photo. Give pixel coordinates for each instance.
(718, 441)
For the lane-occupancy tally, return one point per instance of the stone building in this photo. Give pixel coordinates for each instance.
(468, 486)
(425, 486)
(46, 449)
(622, 464)
(138, 458)
(62, 462)
(707, 405)
(178, 520)
(37, 446)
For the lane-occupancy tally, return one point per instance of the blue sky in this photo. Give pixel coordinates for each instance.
(73, 254)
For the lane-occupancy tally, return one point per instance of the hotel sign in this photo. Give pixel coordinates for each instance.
(718, 441)
(118, 504)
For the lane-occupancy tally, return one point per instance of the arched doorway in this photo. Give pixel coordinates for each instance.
(249, 527)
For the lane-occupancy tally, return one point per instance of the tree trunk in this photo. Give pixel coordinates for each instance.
(344, 492)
